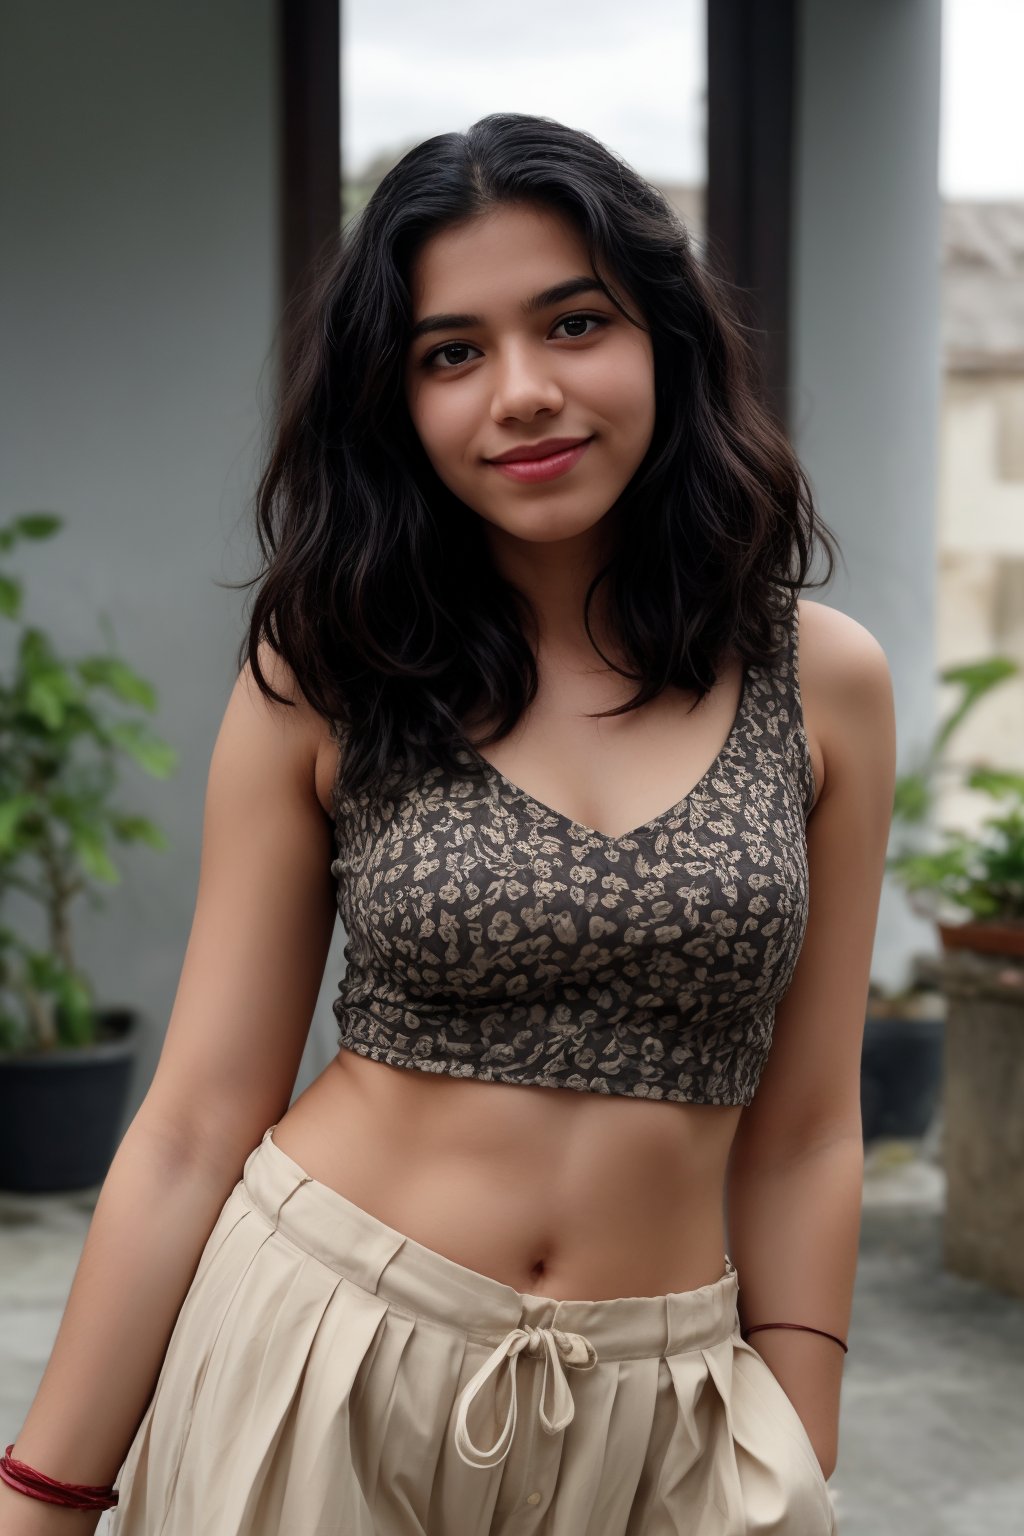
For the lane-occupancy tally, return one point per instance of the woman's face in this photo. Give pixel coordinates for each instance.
(501, 362)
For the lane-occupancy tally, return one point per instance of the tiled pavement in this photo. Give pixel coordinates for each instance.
(932, 1419)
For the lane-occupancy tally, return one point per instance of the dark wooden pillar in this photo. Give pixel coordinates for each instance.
(751, 85)
(309, 42)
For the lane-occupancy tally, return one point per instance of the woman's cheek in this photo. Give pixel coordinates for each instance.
(637, 408)
(451, 464)
(446, 436)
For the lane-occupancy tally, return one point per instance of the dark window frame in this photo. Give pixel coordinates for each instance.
(752, 73)
(309, 146)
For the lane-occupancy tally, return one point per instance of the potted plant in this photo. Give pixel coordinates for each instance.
(971, 884)
(65, 729)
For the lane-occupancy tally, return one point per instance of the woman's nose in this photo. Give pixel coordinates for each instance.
(523, 385)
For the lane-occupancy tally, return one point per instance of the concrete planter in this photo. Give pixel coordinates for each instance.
(983, 1110)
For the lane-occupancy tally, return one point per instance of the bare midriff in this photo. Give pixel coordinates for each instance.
(552, 1191)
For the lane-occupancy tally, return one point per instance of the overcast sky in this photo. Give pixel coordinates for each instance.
(632, 72)
(629, 71)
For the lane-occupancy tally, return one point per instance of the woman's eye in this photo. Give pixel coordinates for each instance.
(579, 320)
(445, 352)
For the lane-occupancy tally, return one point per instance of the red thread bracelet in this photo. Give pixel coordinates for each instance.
(25, 1479)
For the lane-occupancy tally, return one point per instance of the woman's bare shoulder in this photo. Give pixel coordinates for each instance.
(837, 648)
(844, 676)
(310, 731)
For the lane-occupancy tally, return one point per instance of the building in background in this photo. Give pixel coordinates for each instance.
(980, 597)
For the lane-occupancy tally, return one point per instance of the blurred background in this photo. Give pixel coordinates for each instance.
(168, 176)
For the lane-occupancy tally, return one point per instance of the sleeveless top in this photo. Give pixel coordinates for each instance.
(489, 936)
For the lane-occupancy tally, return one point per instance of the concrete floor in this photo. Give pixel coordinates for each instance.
(932, 1416)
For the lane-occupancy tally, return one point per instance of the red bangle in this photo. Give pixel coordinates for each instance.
(25, 1479)
(745, 1333)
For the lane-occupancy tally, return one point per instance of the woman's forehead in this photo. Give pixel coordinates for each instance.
(497, 252)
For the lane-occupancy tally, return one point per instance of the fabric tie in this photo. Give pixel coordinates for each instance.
(558, 1347)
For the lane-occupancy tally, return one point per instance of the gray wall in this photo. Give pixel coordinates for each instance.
(866, 347)
(139, 292)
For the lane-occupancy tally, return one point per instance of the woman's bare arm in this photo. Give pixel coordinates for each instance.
(252, 972)
(796, 1169)
(149, 1228)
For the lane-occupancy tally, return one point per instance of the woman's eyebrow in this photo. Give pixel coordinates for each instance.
(556, 295)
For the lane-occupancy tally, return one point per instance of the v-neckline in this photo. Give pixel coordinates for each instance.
(606, 838)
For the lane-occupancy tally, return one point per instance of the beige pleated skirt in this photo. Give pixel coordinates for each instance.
(328, 1376)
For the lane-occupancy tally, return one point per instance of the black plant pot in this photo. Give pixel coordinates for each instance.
(900, 1075)
(61, 1111)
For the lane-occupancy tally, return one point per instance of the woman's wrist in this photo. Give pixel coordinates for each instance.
(21, 1515)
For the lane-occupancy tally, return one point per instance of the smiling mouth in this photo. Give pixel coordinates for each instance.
(552, 465)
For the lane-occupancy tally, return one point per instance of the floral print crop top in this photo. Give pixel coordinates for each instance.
(489, 936)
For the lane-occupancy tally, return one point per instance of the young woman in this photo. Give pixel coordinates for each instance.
(530, 697)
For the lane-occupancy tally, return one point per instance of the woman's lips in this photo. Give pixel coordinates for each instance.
(548, 468)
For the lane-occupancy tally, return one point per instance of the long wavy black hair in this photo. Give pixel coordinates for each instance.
(377, 587)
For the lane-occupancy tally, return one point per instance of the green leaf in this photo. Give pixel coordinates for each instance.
(11, 594)
(46, 696)
(29, 525)
(153, 755)
(11, 812)
(118, 677)
(975, 678)
(37, 525)
(996, 781)
(92, 854)
(74, 1014)
(43, 970)
(36, 653)
(137, 829)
